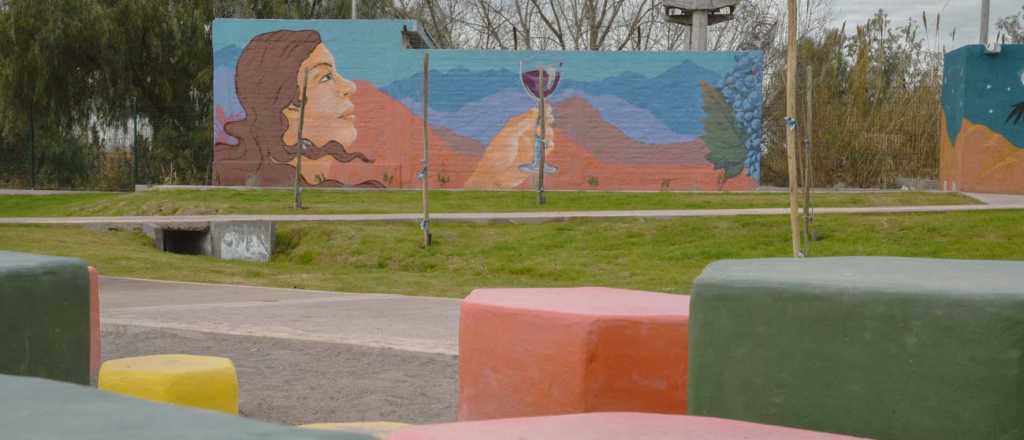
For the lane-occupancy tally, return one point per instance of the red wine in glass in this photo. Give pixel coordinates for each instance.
(532, 81)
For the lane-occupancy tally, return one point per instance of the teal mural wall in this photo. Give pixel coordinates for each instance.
(983, 125)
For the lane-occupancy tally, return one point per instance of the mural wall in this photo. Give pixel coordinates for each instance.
(983, 129)
(615, 120)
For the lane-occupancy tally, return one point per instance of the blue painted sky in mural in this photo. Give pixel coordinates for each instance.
(653, 97)
(371, 50)
(983, 88)
(627, 100)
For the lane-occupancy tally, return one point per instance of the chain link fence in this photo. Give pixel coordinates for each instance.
(107, 157)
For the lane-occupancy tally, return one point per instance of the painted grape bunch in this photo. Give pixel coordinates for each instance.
(742, 90)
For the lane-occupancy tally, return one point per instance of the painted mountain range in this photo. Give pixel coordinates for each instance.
(587, 149)
(664, 109)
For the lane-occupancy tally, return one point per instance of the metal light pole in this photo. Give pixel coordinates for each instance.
(985, 8)
(699, 31)
(698, 15)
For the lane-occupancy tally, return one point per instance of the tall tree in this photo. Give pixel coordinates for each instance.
(50, 77)
(1012, 27)
(161, 73)
(876, 106)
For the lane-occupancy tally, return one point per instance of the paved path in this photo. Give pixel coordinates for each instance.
(34, 192)
(493, 217)
(302, 356)
(420, 324)
(998, 199)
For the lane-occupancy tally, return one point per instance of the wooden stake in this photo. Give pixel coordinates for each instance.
(794, 222)
(135, 146)
(32, 146)
(543, 139)
(302, 144)
(808, 176)
(426, 151)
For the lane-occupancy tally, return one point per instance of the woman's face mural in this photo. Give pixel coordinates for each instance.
(329, 113)
(271, 73)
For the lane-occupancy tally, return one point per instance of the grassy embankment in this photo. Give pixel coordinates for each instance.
(660, 255)
(191, 202)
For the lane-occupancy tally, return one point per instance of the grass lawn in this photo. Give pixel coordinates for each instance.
(660, 255)
(193, 202)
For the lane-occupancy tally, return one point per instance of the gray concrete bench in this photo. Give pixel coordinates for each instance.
(887, 348)
(40, 409)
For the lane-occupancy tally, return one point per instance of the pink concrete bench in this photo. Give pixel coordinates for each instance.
(536, 352)
(608, 426)
(94, 322)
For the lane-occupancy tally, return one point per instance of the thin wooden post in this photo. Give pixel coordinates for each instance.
(426, 151)
(32, 146)
(794, 222)
(135, 145)
(302, 143)
(543, 139)
(808, 142)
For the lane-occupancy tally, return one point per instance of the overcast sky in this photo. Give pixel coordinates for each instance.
(963, 15)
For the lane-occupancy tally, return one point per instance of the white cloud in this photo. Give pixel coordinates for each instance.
(962, 15)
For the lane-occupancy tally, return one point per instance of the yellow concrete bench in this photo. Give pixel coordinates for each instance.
(379, 430)
(204, 382)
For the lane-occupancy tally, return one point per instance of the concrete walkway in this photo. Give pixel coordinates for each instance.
(302, 356)
(35, 192)
(420, 324)
(493, 217)
(998, 199)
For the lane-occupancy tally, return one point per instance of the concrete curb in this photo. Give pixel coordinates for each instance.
(133, 222)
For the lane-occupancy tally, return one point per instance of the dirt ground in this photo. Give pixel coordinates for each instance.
(297, 382)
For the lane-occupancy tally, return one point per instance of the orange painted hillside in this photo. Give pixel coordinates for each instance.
(628, 164)
(392, 135)
(981, 160)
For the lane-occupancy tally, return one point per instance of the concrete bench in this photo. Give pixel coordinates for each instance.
(532, 352)
(205, 382)
(377, 430)
(40, 409)
(94, 322)
(45, 313)
(888, 348)
(609, 426)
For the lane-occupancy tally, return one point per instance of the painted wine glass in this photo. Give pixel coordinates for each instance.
(537, 84)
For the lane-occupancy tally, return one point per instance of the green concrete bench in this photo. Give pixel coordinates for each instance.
(887, 348)
(44, 317)
(41, 409)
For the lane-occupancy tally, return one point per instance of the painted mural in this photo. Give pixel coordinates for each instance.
(982, 142)
(613, 121)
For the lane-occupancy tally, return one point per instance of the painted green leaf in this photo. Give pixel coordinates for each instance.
(724, 138)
